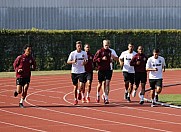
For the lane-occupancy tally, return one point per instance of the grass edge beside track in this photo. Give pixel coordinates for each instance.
(172, 99)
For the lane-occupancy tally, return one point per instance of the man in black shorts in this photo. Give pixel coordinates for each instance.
(78, 59)
(139, 63)
(103, 59)
(89, 73)
(23, 65)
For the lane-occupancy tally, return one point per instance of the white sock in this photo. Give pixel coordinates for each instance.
(75, 99)
(21, 100)
(82, 95)
(98, 94)
(106, 97)
(87, 94)
(128, 95)
(142, 97)
(126, 91)
(156, 93)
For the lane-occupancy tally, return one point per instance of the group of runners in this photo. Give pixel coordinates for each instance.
(134, 68)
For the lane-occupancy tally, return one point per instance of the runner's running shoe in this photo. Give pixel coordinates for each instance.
(98, 99)
(125, 96)
(21, 105)
(79, 96)
(83, 100)
(15, 93)
(75, 102)
(88, 99)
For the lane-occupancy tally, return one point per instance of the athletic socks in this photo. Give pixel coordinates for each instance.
(142, 97)
(98, 94)
(87, 94)
(21, 100)
(128, 95)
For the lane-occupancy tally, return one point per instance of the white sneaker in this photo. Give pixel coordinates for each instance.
(134, 93)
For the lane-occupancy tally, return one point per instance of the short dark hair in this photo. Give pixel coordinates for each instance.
(156, 50)
(26, 46)
(131, 43)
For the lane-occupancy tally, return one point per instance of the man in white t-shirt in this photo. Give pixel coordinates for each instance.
(78, 58)
(156, 66)
(128, 71)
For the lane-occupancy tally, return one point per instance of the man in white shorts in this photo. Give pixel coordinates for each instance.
(156, 66)
(78, 58)
(128, 71)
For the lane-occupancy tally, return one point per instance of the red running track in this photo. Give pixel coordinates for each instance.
(49, 107)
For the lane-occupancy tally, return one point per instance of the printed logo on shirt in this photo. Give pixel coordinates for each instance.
(160, 61)
(30, 61)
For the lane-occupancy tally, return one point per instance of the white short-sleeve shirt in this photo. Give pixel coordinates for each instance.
(78, 67)
(158, 63)
(126, 56)
(113, 52)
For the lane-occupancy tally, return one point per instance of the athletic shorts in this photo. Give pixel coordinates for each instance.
(140, 77)
(104, 75)
(22, 81)
(155, 82)
(76, 77)
(88, 76)
(129, 77)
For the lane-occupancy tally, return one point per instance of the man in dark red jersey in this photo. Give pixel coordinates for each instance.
(103, 59)
(139, 63)
(89, 72)
(23, 65)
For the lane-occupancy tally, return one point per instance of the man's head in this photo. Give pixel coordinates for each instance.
(78, 46)
(130, 47)
(106, 44)
(156, 53)
(27, 49)
(87, 47)
(140, 49)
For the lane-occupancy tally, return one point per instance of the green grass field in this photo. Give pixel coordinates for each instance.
(174, 99)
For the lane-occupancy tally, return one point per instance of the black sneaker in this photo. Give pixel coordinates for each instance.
(156, 98)
(15, 93)
(128, 98)
(106, 102)
(125, 96)
(141, 102)
(21, 105)
(153, 104)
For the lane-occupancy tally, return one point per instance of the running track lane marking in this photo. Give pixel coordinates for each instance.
(22, 126)
(92, 117)
(59, 122)
(125, 114)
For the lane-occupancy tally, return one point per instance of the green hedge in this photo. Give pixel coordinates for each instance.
(52, 47)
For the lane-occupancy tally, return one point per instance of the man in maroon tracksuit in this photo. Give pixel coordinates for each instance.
(23, 65)
(103, 59)
(139, 63)
(89, 72)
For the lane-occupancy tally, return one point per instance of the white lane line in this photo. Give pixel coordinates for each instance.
(54, 121)
(99, 119)
(127, 115)
(24, 127)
